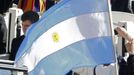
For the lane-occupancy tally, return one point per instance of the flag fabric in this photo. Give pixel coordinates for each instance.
(33, 5)
(71, 34)
(26, 5)
(40, 5)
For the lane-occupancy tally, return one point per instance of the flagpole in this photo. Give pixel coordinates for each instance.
(112, 32)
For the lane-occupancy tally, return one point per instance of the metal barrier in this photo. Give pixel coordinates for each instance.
(7, 67)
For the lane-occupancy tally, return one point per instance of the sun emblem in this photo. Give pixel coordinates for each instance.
(55, 37)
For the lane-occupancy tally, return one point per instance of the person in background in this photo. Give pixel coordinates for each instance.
(129, 64)
(28, 18)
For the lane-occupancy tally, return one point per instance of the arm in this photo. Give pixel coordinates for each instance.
(130, 44)
(130, 48)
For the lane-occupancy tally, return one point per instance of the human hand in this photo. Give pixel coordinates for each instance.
(130, 40)
(123, 33)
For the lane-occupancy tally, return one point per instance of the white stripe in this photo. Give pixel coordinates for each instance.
(69, 31)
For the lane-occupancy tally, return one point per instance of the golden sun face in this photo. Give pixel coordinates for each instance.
(55, 37)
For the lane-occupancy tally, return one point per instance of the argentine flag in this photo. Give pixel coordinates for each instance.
(71, 34)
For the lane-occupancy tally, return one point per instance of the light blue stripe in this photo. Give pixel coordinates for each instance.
(89, 52)
(60, 12)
